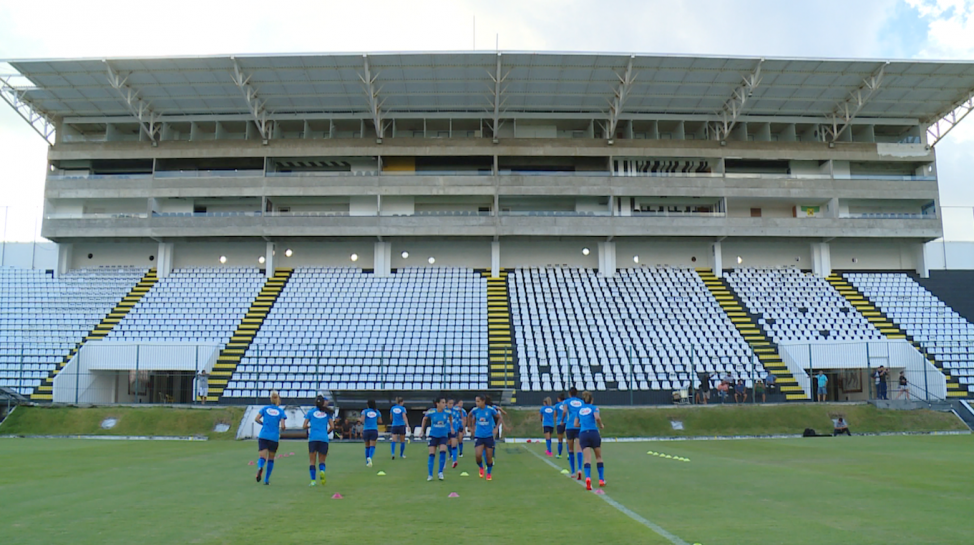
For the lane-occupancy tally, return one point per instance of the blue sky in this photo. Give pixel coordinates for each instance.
(881, 29)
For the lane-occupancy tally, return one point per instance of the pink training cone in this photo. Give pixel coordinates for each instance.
(291, 454)
(250, 463)
(453, 495)
(337, 496)
(599, 492)
(529, 440)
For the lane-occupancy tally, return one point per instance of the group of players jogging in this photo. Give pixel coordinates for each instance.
(444, 427)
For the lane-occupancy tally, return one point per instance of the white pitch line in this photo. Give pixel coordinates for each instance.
(622, 508)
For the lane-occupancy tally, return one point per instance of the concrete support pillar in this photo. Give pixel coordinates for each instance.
(716, 259)
(383, 259)
(607, 259)
(495, 259)
(833, 208)
(65, 251)
(923, 270)
(821, 259)
(164, 259)
(269, 259)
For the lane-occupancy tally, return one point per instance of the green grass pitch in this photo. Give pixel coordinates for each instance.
(901, 489)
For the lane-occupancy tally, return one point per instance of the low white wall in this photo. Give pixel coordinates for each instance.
(96, 373)
(926, 381)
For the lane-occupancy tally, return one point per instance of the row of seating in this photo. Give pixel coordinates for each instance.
(942, 332)
(42, 317)
(797, 306)
(204, 305)
(321, 313)
(572, 326)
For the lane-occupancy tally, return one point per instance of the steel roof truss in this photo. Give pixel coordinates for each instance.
(618, 101)
(255, 105)
(497, 97)
(945, 122)
(372, 97)
(140, 109)
(848, 109)
(38, 120)
(735, 104)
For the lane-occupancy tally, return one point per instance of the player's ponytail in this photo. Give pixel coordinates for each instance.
(322, 404)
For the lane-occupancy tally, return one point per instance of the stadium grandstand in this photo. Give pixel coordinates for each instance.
(510, 222)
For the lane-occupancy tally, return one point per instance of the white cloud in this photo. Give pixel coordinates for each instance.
(951, 28)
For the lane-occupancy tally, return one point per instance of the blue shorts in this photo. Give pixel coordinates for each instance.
(487, 442)
(437, 441)
(822, 391)
(571, 434)
(321, 447)
(561, 429)
(548, 429)
(267, 444)
(453, 435)
(398, 430)
(590, 439)
(370, 435)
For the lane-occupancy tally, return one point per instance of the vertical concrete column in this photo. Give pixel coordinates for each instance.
(923, 270)
(716, 259)
(383, 259)
(269, 259)
(65, 251)
(821, 259)
(164, 259)
(607, 259)
(495, 259)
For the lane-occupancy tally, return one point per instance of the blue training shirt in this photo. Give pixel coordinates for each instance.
(559, 417)
(483, 422)
(318, 421)
(371, 419)
(586, 417)
(548, 416)
(398, 413)
(574, 404)
(439, 423)
(271, 428)
(459, 418)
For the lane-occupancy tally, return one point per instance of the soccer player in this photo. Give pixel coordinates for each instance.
(370, 420)
(452, 449)
(319, 422)
(462, 413)
(440, 422)
(570, 411)
(497, 408)
(588, 421)
(560, 421)
(547, 415)
(484, 426)
(400, 423)
(271, 419)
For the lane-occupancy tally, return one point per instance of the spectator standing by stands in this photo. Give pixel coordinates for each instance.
(883, 385)
(703, 392)
(202, 386)
(880, 376)
(841, 427)
(822, 385)
(759, 391)
(904, 387)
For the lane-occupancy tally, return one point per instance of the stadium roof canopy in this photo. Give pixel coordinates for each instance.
(499, 85)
